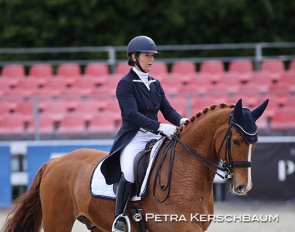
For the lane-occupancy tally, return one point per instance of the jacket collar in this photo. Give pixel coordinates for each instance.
(148, 93)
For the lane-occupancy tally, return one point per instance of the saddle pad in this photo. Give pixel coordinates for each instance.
(99, 187)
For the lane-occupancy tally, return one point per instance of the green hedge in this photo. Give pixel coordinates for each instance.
(67, 23)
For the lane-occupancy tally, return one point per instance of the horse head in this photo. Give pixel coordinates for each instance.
(240, 140)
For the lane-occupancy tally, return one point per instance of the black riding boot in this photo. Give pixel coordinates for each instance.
(123, 196)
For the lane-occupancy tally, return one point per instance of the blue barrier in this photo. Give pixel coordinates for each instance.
(5, 170)
(38, 155)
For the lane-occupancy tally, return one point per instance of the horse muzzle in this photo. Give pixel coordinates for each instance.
(241, 189)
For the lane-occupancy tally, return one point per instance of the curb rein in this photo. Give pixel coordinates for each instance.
(227, 165)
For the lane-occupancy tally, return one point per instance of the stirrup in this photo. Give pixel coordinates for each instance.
(127, 221)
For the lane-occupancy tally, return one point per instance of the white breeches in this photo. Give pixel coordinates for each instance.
(128, 153)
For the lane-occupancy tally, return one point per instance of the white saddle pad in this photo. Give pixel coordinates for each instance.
(99, 187)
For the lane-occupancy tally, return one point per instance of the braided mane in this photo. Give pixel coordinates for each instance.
(205, 111)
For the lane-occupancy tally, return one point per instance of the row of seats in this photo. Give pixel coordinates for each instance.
(97, 69)
(173, 83)
(70, 125)
(59, 118)
(101, 117)
(212, 78)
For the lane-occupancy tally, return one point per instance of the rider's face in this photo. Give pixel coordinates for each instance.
(145, 60)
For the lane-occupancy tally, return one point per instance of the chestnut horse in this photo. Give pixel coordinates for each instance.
(60, 192)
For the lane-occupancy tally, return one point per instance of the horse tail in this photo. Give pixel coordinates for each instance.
(26, 215)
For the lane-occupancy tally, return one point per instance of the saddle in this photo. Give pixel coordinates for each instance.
(141, 162)
(140, 165)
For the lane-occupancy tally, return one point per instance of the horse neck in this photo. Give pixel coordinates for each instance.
(200, 135)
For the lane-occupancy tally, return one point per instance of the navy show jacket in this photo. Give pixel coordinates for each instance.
(139, 108)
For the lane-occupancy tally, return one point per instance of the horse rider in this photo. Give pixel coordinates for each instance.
(140, 97)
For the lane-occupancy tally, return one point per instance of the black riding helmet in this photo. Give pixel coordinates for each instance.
(137, 45)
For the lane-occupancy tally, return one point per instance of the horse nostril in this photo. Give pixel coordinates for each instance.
(241, 188)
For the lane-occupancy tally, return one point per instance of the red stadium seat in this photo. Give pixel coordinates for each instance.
(12, 125)
(263, 78)
(88, 109)
(241, 66)
(280, 90)
(180, 104)
(102, 124)
(232, 79)
(72, 124)
(213, 69)
(122, 69)
(52, 87)
(112, 106)
(46, 125)
(223, 89)
(41, 71)
(82, 86)
(250, 100)
(13, 71)
(288, 77)
(273, 66)
(274, 105)
(159, 68)
(283, 119)
(24, 88)
(175, 80)
(96, 69)
(289, 102)
(292, 66)
(108, 87)
(26, 109)
(57, 109)
(253, 88)
(183, 67)
(6, 85)
(272, 69)
(197, 84)
(27, 84)
(200, 103)
(6, 108)
(241, 70)
(69, 72)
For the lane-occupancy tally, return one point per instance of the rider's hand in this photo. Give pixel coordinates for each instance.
(168, 130)
(182, 121)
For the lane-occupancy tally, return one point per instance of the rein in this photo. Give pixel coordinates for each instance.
(226, 168)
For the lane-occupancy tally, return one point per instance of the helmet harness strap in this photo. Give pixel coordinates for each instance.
(137, 62)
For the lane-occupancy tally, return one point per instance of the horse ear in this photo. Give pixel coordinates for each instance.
(256, 113)
(238, 110)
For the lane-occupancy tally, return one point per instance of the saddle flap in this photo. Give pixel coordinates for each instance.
(141, 163)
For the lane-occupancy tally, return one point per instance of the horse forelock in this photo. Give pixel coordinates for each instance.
(204, 112)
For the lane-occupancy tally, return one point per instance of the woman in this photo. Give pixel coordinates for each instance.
(140, 97)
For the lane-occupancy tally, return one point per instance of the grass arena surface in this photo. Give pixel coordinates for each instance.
(236, 217)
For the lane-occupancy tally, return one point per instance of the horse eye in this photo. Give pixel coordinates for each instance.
(237, 142)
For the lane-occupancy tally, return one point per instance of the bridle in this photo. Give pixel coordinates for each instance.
(227, 165)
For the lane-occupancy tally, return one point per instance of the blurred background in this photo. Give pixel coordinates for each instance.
(60, 62)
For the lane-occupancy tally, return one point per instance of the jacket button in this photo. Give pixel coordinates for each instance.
(156, 107)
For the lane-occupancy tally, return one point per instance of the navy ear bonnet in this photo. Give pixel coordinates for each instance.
(244, 120)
